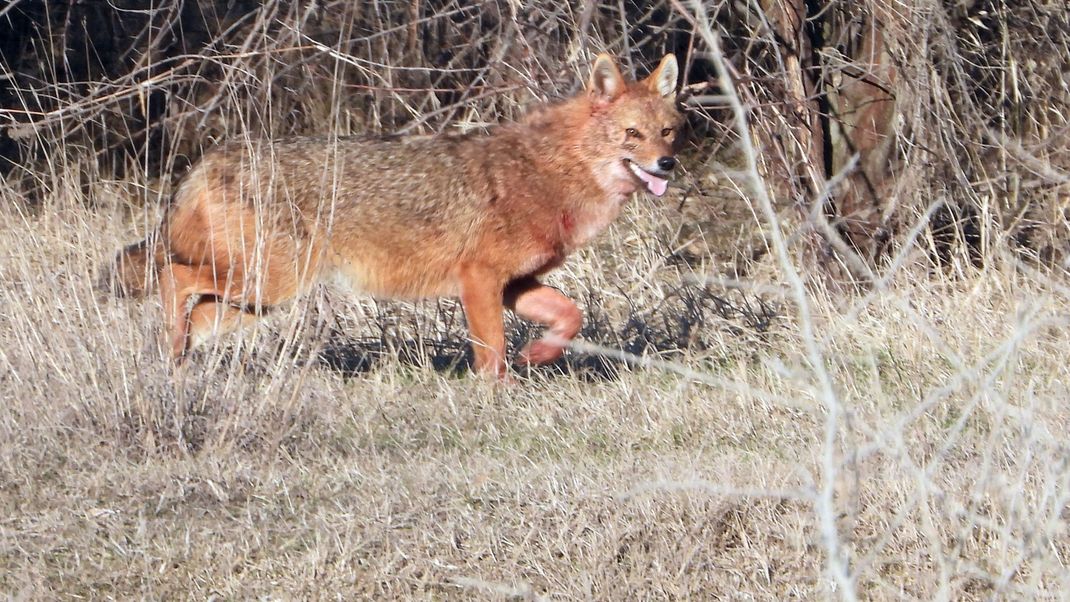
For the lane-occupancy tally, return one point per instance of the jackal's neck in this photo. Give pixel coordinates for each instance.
(559, 134)
(559, 127)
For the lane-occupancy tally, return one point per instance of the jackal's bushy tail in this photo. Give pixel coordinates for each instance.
(133, 271)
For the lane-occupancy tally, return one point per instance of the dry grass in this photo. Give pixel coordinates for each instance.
(779, 436)
(262, 471)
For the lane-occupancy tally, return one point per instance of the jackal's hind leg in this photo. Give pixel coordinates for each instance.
(178, 284)
(210, 318)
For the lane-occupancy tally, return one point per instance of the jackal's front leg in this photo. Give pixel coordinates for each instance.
(481, 296)
(539, 303)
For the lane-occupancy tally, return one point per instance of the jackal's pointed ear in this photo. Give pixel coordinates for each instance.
(663, 79)
(606, 81)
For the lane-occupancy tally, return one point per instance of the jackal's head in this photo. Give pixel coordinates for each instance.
(633, 127)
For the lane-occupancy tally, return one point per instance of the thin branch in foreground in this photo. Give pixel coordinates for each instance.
(825, 503)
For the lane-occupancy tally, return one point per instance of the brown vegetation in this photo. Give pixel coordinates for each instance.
(829, 364)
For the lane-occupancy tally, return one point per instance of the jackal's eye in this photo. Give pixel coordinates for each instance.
(632, 132)
(665, 133)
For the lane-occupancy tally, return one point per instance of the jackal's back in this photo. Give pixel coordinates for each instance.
(389, 217)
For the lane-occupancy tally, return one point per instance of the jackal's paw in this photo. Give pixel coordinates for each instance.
(500, 380)
(540, 352)
(496, 374)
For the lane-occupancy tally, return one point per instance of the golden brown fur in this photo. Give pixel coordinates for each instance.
(475, 217)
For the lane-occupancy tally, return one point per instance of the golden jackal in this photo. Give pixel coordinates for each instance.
(479, 217)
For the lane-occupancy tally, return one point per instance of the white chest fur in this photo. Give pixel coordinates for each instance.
(591, 220)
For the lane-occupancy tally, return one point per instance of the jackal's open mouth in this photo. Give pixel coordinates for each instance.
(654, 183)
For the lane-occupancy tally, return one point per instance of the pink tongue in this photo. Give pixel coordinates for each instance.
(655, 184)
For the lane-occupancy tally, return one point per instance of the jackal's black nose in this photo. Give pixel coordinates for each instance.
(666, 163)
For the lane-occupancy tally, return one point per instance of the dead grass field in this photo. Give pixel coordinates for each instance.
(733, 423)
(341, 451)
